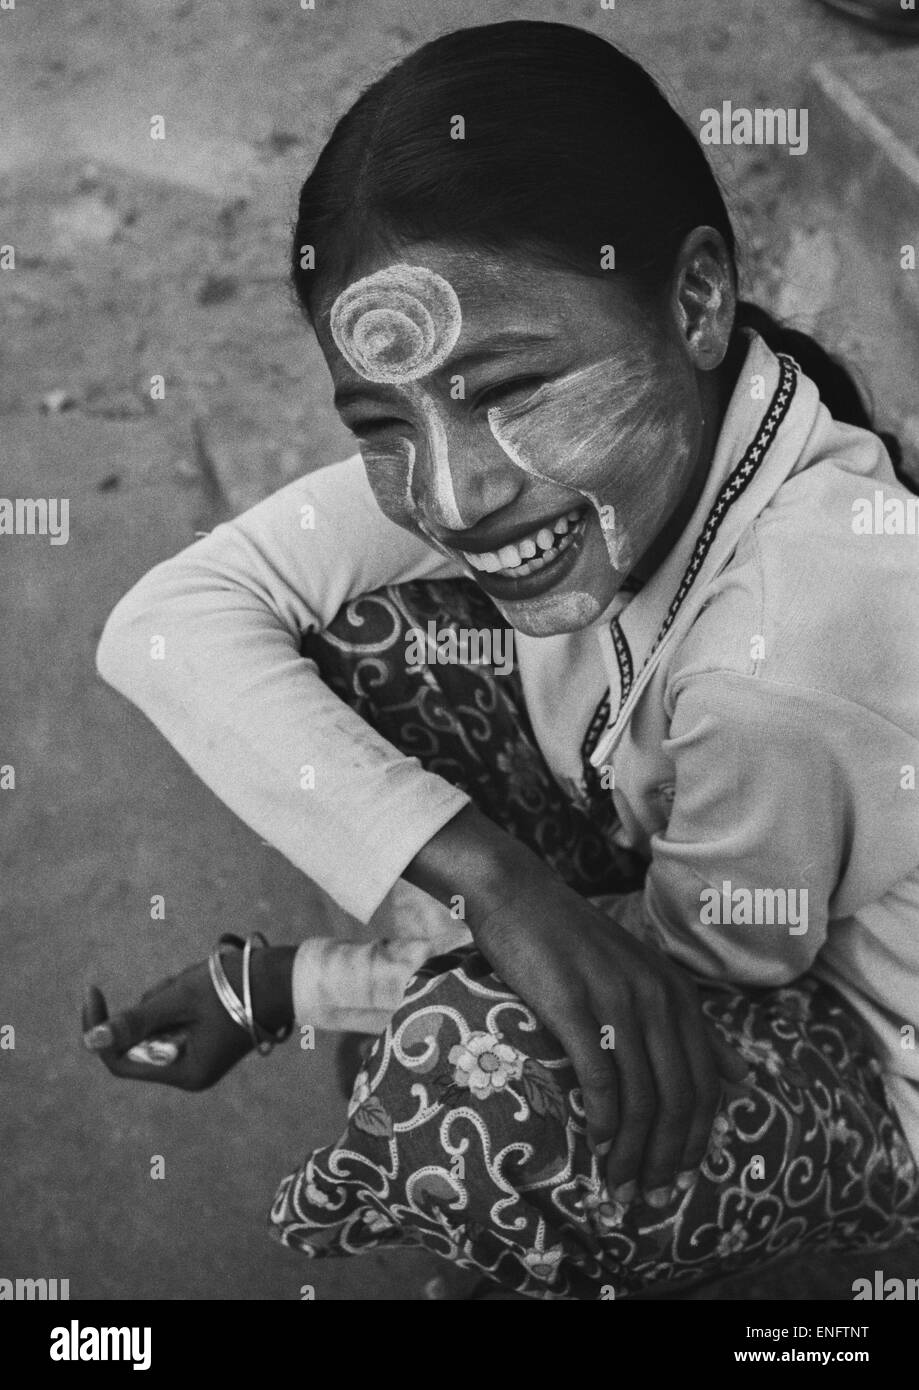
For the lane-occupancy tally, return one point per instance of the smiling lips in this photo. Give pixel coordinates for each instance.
(531, 553)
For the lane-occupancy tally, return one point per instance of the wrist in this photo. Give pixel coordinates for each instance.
(271, 982)
(475, 859)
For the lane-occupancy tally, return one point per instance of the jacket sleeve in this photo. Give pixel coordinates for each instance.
(207, 645)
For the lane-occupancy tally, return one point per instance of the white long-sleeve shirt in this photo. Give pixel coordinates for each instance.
(763, 692)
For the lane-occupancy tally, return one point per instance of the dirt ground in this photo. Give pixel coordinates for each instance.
(137, 257)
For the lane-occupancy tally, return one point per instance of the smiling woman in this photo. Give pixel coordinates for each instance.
(600, 418)
(583, 1079)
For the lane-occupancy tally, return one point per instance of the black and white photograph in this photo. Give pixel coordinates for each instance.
(459, 537)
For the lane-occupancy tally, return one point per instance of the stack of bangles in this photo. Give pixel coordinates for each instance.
(240, 1010)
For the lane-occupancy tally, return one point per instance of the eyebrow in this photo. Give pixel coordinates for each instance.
(505, 341)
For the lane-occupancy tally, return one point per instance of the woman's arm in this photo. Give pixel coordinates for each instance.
(208, 646)
(765, 789)
(627, 1017)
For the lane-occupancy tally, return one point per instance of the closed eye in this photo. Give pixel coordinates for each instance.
(493, 395)
(365, 429)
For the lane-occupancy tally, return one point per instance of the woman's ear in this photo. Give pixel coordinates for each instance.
(704, 297)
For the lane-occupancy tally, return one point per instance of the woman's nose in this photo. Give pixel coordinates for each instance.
(461, 474)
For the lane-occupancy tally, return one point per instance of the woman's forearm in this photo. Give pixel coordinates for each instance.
(474, 860)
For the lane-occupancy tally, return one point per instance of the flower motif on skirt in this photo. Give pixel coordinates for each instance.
(543, 1264)
(760, 1052)
(484, 1064)
(733, 1240)
(359, 1094)
(316, 1195)
(602, 1211)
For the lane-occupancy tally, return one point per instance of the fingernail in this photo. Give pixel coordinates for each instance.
(155, 1052)
(626, 1193)
(603, 1150)
(98, 1038)
(687, 1179)
(658, 1196)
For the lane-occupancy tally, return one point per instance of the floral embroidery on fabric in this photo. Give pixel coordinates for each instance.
(485, 1064)
(466, 1135)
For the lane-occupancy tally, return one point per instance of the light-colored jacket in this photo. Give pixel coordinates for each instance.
(755, 707)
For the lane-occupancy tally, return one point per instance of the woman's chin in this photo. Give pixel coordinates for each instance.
(578, 599)
(563, 610)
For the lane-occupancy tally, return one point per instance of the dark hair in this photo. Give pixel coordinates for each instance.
(568, 145)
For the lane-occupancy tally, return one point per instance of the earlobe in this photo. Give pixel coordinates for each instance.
(705, 297)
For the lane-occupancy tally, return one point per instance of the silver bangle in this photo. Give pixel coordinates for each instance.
(224, 990)
(241, 1011)
(263, 1041)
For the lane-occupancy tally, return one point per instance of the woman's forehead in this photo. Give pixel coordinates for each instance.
(485, 281)
(508, 301)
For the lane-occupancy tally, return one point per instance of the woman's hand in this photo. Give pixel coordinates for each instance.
(651, 1097)
(194, 1026)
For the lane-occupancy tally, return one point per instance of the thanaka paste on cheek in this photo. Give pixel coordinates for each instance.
(443, 497)
(391, 470)
(396, 326)
(551, 613)
(613, 432)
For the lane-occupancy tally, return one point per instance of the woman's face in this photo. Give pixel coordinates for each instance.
(535, 425)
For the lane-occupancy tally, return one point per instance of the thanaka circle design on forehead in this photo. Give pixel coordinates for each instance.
(397, 325)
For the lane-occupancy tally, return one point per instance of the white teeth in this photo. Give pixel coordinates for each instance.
(487, 561)
(524, 557)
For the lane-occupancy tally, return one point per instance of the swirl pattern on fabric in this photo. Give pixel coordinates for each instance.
(466, 1136)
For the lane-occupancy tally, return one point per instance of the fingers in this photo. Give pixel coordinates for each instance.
(706, 1087)
(129, 1027)
(668, 1050)
(579, 1033)
(158, 1052)
(114, 1038)
(638, 1106)
(178, 1035)
(109, 1035)
(150, 1059)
